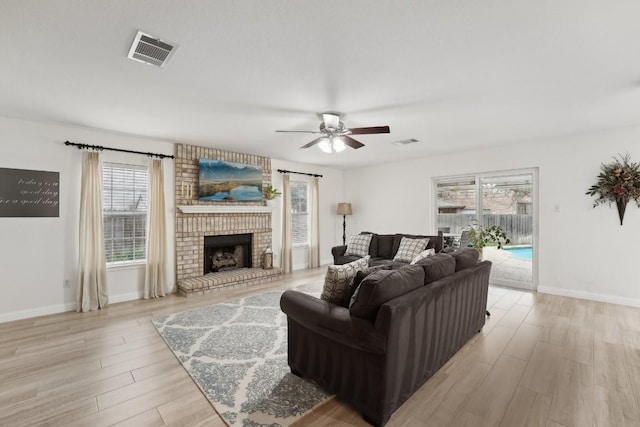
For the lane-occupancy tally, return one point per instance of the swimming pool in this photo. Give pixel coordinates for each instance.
(521, 252)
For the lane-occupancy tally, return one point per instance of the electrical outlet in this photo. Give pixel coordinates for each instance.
(66, 283)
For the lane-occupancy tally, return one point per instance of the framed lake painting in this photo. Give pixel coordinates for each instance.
(220, 180)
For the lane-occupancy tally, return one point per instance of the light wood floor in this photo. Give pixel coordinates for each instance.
(541, 360)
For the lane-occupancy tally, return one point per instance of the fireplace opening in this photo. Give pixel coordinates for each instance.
(227, 252)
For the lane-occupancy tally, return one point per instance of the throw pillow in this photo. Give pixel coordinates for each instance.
(410, 248)
(358, 245)
(338, 279)
(382, 286)
(398, 238)
(360, 275)
(423, 255)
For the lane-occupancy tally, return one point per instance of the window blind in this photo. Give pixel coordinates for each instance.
(299, 213)
(124, 208)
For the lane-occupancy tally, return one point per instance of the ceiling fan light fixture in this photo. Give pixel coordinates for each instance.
(338, 144)
(325, 146)
(333, 145)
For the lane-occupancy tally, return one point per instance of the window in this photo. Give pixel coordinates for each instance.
(124, 210)
(503, 199)
(300, 216)
(456, 203)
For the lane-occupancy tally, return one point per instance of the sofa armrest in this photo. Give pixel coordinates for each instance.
(337, 252)
(332, 321)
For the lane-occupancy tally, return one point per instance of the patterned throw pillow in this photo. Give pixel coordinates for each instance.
(423, 255)
(359, 245)
(410, 248)
(339, 278)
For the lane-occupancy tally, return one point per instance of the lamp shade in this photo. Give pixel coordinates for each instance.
(344, 209)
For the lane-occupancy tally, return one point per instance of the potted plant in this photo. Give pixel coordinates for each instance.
(618, 182)
(270, 194)
(481, 235)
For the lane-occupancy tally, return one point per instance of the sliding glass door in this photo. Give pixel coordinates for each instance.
(504, 199)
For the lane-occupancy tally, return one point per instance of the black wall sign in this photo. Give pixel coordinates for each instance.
(29, 193)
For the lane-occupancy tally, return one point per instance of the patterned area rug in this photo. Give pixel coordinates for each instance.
(237, 354)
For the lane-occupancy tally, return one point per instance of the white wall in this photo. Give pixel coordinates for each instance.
(583, 251)
(331, 193)
(38, 254)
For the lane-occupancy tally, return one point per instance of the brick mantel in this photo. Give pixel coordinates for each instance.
(192, 209)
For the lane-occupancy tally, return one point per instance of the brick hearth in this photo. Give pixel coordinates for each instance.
(192, 227)
(226, 279)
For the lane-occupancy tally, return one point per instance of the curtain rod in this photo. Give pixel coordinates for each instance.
(300, 173)
(101, 148)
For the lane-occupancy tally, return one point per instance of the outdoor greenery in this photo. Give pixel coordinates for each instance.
(483, 235)
(270, 193)
(618, 181)
(128, 255)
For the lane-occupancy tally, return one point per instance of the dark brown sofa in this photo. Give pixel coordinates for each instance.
(377, 359)
(383, 248)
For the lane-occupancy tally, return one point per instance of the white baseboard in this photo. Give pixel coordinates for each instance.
(633, 302)
(125, 297)
(35, 312)
(61, 308)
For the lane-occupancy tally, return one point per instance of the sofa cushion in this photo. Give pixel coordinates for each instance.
(358, 245)
(382, 286)
(410, 248)
(338, 277)
(423, 255)
(379, 261)
(465, 258)
(385, 246)
(437, 266)
(360, 275)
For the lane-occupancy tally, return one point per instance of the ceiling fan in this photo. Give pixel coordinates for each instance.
(335, 137)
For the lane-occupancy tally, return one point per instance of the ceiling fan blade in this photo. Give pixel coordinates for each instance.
(351, 142)
(298, 131)
(312, 143)
(370, 130)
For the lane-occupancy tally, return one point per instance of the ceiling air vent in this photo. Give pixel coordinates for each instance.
(405, 141)
(151, 50)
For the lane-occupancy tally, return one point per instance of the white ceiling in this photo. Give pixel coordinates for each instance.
(455, 75)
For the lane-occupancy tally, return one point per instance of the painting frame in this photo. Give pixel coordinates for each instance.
(221, 180)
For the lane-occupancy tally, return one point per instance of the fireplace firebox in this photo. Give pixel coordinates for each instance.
(227, 252)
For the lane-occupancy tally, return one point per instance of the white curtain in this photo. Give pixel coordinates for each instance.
(155, 280)
(92, 267)
(314, 247)
(286, 257)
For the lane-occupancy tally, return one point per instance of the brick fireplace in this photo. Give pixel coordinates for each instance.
(195, 220)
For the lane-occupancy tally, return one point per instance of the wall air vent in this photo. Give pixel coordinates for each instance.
(151, 50)
(405, 141)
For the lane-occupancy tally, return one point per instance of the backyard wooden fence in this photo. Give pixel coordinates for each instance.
(519, 228)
